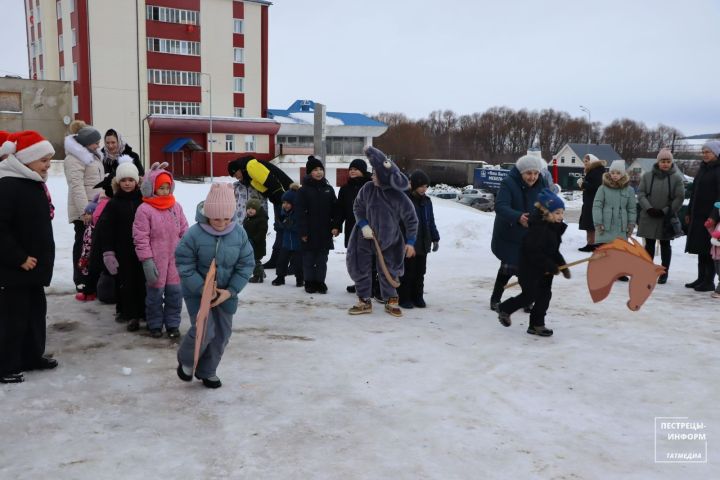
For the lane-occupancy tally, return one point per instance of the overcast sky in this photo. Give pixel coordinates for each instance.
(655, 61)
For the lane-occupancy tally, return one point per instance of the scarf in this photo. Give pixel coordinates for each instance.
(161, 203)
(111, 158)
(52, 207)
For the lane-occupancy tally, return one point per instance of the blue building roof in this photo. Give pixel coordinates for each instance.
(300, 112)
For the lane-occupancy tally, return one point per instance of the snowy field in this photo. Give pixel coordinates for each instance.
(310, 392)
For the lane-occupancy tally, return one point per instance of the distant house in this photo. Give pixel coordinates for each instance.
(347, 135)
(571, 155)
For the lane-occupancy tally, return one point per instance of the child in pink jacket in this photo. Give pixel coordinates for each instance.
(159, 224)
(713, 226)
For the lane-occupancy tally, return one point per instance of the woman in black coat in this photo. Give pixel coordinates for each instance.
(315, 208)
(115, 147)
(589, 184)
(28, 256)
(706, 191)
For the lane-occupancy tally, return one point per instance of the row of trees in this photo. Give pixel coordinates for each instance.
(501, 134)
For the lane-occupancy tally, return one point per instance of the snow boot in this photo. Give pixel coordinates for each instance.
(419, 302)
(156, 332)
(43, 363)
(133, 325)
(173, 332)
(321, 287)
(12, 378)
(363, 306)
(540, 330)
(279, 281)
(211, 382)
(392, 307)
(663, 279)
(310, 287)
(406, 304)
(504, 318)
(256, 279)
(708, 283)
(182, 373)
(587, 248)
(700, 277)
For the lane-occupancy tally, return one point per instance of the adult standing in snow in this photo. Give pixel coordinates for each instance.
(589, 184)
(113, 151)
(661, 192)
(83, 171)
(706, 191)
(28, 255)
(513, 204)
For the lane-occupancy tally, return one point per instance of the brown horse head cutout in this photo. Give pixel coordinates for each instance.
(621, 257)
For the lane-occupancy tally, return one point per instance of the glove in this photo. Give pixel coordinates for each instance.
(111, 262)
(367, 232)
(150, 270)
(655, 212)
(436, 246)
(565, 273)
(580, 182)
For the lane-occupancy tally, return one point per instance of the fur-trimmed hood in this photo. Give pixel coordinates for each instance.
(595, 164)
(610, 183)
(84, 154)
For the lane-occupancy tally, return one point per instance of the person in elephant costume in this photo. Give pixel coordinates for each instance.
(382, 210)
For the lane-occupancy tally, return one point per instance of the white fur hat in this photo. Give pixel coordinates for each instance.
(127, 170)
(529, 162)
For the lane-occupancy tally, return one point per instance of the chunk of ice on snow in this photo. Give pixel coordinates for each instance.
(127, 370)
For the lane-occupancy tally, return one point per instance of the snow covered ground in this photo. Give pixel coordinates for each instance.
(312, 393)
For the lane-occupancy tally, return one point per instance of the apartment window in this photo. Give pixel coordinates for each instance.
(239, 55)
(238, 111)
(249, 143)
(177, 47)
(60, 43)
(230, 143)
(75, 104)
(173, 77)
(58, 9)
(62, 74)
(174, 108)
(239, 84)
(75, 72)
(172, 15)
(74, 37)
(237, 26)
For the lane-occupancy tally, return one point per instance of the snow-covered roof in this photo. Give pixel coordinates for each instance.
(603, 151)
(303, 112)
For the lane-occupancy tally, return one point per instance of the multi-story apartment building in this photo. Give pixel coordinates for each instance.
(177, 78)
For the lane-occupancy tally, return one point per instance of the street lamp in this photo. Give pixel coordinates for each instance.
(211, 140)
(587, 110)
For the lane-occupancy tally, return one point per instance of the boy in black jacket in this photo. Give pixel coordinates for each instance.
(540, 259)
(256, 226)
(412, 283)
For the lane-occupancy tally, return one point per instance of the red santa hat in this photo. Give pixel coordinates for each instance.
(27, 146)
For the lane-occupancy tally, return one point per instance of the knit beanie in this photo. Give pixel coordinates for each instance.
(27, 146)
(549, 201)
(618, 166)
(312, 164)
(592, 158)
(253, 203)
(87, 136)
(220, 202)
(529, 162)
(233, 167)
(418, 178)
(713, 146)
(359, 164)
(128, 170)
(664, 154)
(164, 177)
(289, 197)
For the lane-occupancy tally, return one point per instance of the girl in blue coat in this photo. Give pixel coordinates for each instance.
(216, 235)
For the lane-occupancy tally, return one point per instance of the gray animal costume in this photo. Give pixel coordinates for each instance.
(383, 207)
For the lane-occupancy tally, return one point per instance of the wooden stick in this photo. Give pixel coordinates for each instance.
(564, 267)
(383, 267)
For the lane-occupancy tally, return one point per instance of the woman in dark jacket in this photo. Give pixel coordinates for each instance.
(660, 192)
(412, 283)
(589, 184)
(513, 204)
(706, 191)
(315, 208)
(115, 147)
(28, 255)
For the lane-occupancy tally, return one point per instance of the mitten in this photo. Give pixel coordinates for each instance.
(655, 212)
(566, 273)
(367, 232)
(436, 246)
(580, 182)
(715, 234)
(111, 262)
(150, 270)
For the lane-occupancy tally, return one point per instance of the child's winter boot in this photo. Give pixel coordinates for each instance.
(278, 281)
(504, 318)
(539, 330)
(363, 306)
(392, 307)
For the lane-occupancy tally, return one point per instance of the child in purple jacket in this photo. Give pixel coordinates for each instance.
(158, 226)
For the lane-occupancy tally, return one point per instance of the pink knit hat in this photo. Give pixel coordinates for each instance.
(220, 202)
(664, 154)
